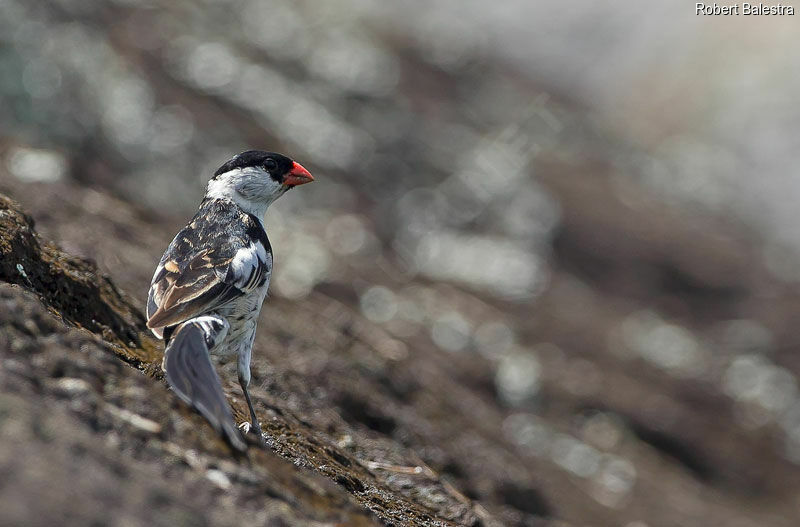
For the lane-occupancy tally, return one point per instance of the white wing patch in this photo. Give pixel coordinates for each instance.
(250, 265)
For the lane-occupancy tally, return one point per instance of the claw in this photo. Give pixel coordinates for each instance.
(254, 427)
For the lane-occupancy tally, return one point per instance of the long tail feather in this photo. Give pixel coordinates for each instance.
(191, 375)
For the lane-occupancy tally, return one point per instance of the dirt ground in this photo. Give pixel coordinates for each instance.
(364, 427)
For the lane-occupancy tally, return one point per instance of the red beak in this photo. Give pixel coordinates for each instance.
(297, 176)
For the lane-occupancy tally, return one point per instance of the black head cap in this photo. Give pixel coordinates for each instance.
(276, 165)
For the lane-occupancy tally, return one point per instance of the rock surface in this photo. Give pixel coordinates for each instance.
(109, 433)
(364, 428)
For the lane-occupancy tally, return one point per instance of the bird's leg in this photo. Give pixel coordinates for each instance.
(243, 368)
(253, 424)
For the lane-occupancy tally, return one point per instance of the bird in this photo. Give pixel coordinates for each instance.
(208, 288)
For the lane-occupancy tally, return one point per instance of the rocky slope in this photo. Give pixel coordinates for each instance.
(81, 423)
(365, 428)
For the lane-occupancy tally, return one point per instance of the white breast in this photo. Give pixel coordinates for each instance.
(242, 315)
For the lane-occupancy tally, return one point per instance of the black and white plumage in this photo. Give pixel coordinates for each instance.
(207, 291)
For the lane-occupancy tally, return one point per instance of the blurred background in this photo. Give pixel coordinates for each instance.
(588, 210)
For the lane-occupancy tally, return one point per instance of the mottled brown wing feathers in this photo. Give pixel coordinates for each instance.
(181, 292)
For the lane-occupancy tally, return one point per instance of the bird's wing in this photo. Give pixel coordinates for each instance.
(192, 376)
(186, 287)
(221, 254)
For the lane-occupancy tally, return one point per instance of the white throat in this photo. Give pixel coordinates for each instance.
(251, 189)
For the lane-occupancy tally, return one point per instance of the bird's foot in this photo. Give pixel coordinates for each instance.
(247, 427)
(253, 427)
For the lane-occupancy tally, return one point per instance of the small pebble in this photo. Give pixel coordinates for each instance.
(218, 478)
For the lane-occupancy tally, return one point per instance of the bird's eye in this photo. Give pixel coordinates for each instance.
(270, 165)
